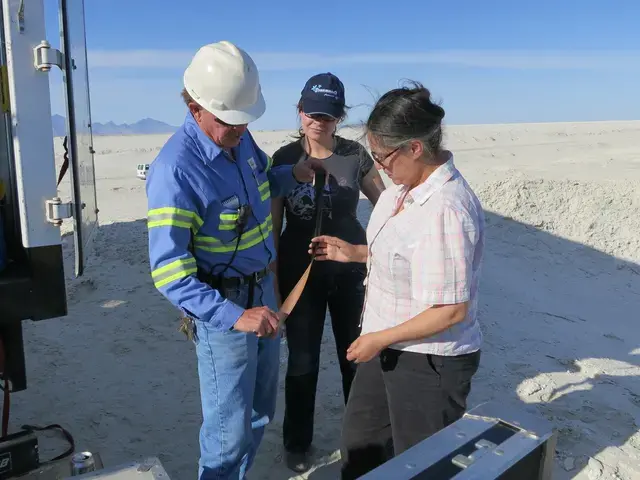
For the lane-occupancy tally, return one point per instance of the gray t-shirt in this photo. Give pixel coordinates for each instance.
(347, 167)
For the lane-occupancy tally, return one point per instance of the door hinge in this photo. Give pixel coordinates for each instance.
(58, 211)
(46, 57)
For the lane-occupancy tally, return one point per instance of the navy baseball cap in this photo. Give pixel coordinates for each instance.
(323, 94)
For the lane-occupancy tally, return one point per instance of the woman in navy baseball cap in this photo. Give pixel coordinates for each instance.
(339, 287)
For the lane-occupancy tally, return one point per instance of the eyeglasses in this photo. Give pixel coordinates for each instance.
(380, 161)
(320, 117)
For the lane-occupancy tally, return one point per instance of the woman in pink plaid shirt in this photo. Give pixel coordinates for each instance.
(420, 341)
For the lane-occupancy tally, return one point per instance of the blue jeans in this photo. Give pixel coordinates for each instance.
(238, 387)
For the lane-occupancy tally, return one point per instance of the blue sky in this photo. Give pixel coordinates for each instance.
(496, 61)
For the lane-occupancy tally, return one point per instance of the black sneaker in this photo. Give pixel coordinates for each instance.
(299, 461)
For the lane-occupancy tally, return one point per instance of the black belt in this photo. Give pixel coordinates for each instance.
(222, 284)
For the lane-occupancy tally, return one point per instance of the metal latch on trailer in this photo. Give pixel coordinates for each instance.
(46, 57)
(58, 211)
(483, 448)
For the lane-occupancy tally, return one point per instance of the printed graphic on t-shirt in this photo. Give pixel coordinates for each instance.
(301, 200)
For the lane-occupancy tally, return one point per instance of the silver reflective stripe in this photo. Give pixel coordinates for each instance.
(248, 239)
(175, 270)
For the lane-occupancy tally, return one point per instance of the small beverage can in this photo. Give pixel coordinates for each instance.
(82, 462)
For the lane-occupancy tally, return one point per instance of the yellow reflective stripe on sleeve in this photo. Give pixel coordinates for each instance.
(269, 162)
(247, 240)
(228, 221)
(174, 217)
(265, 193)
(183, 267)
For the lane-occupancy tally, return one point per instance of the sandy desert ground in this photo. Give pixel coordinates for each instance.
(560, 303)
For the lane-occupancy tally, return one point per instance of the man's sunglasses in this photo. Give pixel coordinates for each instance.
(228, 125)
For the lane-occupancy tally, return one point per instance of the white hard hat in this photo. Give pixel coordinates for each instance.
(224, 80)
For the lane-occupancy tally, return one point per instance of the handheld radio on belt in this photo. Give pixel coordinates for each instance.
(294, 296)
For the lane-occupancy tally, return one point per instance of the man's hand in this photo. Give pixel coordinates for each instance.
(336, 249)
(366, 347)
(259, 320)
(303, 172)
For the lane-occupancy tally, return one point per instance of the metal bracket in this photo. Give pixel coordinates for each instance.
(46, 57)
(21, 16)
(58, 211)
(483, 448)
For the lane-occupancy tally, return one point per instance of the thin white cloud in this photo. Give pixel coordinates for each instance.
(502, 59)
(138, 58)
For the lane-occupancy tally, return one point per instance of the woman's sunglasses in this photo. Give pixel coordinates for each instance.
(320, 117)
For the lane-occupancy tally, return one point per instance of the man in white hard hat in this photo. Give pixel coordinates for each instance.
(210, 248)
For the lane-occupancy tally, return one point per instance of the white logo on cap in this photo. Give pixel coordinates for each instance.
(319, 89)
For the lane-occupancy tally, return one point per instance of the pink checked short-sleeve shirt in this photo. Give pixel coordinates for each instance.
(428, 254)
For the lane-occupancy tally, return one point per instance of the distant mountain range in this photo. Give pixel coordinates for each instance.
(146, 126)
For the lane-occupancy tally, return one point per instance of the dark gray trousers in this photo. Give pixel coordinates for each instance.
(397, 400)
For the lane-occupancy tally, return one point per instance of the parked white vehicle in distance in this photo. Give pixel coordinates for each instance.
(143, 168)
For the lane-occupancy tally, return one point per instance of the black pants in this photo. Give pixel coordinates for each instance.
(397, 400)
(341, 288)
